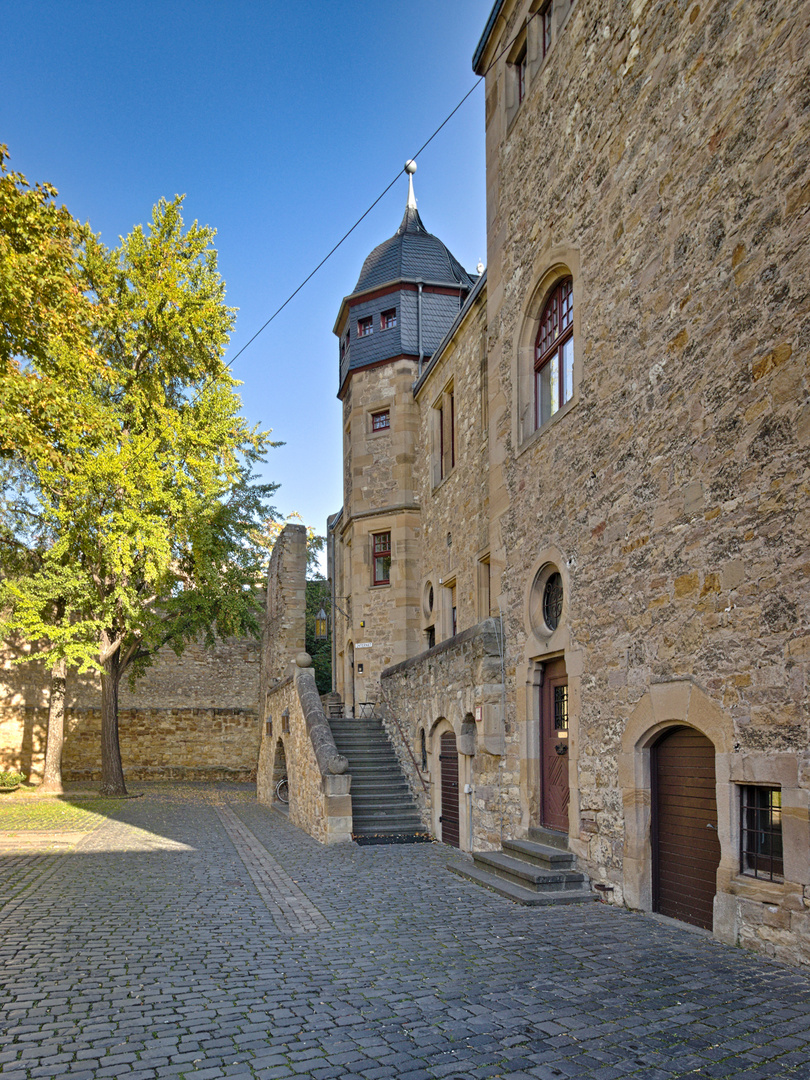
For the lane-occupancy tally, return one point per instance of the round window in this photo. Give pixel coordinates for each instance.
(553, 601)
(546, 601)
(428, 599)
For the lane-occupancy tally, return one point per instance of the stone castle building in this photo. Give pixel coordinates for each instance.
(571, 566)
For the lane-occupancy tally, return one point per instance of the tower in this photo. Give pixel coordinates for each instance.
(407, 296)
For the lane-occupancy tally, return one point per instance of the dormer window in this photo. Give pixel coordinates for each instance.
(388, 319)
(365, 327)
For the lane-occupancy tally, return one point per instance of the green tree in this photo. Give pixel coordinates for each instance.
(150, 523)
(45, 317)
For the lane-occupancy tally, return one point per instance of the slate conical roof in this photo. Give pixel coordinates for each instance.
(412, 254)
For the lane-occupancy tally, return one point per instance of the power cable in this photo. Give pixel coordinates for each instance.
(381, 196)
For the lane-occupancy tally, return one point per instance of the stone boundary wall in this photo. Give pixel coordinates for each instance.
(297, 742)
(444, 689)
(193, 717)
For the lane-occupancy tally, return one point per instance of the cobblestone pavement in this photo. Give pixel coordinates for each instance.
(198, 934)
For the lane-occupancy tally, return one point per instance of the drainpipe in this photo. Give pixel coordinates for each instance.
(419, 326)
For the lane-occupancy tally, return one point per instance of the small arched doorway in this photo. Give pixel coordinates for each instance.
(448, 761)
(685, 844)
(279, 768)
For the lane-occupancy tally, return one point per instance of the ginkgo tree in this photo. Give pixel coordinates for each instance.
(149, 524)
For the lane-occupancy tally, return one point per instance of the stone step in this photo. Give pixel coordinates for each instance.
(387, 822)
(552, 837)
(552, 858)
(519, 893)
(383, 809)
(521, 872)
(368, 800)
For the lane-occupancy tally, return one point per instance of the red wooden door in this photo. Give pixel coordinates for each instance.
(686, 849)
(554, 746)
(448, 761)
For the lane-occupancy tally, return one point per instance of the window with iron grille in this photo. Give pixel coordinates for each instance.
(381, 554)
(365, 327)
(761, 832)
(388, 319)
(561, 708)
(381, 420)
(554, 353)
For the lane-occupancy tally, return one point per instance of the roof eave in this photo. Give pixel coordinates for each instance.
(448, 337)
(356, 297)
(482, 44)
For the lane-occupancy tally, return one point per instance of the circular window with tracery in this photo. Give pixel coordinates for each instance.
(553, 601)
(546, 601)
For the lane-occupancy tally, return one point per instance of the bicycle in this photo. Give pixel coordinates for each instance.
(283, 790)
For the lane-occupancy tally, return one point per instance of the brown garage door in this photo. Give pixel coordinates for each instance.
(448, 759)
(686, 850)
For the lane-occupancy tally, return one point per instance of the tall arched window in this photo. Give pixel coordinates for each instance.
(554, 353)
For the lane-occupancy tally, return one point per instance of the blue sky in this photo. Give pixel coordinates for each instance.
(281, 123)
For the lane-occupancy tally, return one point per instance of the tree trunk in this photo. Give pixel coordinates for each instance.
(52, 776)
(112, 773)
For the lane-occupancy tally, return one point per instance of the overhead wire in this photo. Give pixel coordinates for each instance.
(381, 196)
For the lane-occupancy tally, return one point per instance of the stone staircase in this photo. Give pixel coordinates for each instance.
(383, 810)
(540, 870)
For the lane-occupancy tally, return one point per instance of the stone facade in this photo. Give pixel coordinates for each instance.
(655, 157)
(193, 717)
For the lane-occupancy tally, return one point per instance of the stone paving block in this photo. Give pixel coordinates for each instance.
(189, 973)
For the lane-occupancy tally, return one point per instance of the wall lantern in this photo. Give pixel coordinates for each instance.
(321, 627)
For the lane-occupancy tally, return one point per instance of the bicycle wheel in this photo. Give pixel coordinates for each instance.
(283, 790)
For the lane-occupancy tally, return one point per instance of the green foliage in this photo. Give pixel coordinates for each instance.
(321, 651)
(45, 317)
(138, 533)
(11, 779)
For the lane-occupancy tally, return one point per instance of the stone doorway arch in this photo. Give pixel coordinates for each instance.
(665, 706)
(279, 767)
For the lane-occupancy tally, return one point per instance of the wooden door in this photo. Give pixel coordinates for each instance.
(686, 848)
(448, 761)
(554, 746)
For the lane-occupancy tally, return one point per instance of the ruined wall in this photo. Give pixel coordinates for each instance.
(285, 615)
(192, 717)
(296, 740)
(670, 179)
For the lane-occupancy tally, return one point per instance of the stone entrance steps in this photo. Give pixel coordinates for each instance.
(383, 810)
(537, 871)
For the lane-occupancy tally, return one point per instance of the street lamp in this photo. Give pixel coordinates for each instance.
(321, 626)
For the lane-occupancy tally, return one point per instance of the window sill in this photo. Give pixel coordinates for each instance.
(381, 584)
(757, 889)
(539, 433)
(443, 481)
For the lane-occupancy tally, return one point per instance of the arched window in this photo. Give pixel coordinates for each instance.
(554, 353)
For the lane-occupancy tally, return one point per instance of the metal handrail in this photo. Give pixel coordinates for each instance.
(413, 759)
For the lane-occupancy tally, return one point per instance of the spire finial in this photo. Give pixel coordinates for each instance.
(410, 169)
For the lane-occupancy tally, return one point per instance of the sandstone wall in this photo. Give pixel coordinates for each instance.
(319, 799)
(192, 717)
(455, 508)
(379, 496)
(669, 177)
(445, 689)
